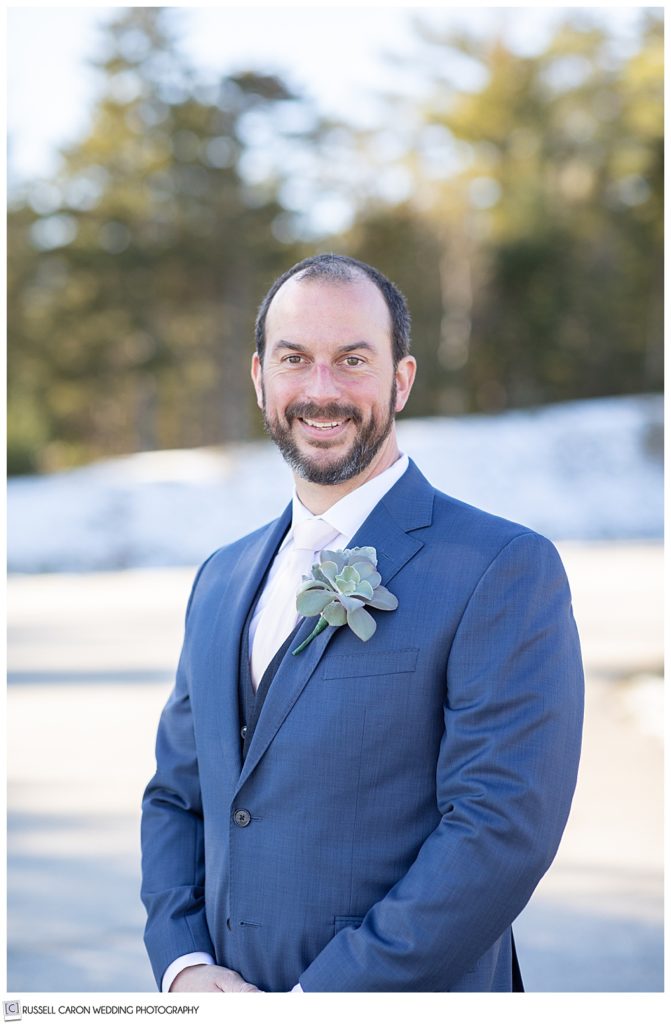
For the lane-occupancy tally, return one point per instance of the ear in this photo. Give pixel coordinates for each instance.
(257, 375)
(405, 378)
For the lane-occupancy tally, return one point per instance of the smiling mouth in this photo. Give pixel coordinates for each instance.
(322, 424)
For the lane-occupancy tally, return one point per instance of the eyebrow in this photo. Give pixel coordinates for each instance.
(354, 346)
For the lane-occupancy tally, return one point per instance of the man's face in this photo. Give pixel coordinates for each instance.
(327, 386)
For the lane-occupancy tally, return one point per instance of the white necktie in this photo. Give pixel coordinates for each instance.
(279, 615)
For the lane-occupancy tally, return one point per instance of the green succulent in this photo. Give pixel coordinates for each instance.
(340, 586)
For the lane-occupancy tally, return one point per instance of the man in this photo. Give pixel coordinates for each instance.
(367, 814)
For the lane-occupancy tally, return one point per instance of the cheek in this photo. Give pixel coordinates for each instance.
(278, 394)
(367, 389)
(374, 398)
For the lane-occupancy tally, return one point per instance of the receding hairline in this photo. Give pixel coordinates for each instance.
(350, 275)
(336, 274)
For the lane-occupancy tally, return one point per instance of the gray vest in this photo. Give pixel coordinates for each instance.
(249, 702)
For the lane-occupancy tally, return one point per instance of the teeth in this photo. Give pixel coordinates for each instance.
(323, 426)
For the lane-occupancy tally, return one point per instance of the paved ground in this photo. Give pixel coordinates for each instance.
(90, 661)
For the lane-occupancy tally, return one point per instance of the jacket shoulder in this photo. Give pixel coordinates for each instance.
(222, 562)
(447, 515)
(231, 552)
(470, 518)
(484, 533)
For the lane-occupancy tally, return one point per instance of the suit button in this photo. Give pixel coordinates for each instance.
(243, 731)
(242, 817)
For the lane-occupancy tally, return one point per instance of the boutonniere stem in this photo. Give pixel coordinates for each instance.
(319, 628)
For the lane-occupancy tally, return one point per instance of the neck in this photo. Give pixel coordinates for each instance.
(318, 498)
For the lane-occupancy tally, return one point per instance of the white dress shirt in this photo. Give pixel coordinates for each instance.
(346, 516)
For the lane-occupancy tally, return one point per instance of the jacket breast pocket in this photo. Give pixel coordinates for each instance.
(345, 922)
(371, 663)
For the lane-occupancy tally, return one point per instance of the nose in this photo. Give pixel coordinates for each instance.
(322, 385)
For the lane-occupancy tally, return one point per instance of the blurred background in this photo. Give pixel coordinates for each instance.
(504, 166)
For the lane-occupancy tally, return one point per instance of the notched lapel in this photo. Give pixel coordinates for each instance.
(407, 506)
(394, 546)
(289, 682)
(234, 605)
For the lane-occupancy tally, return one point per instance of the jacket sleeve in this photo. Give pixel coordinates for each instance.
(505, 778)
(173, 863)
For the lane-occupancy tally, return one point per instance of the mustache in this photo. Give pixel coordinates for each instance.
(312, 411)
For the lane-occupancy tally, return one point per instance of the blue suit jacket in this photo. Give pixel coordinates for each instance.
(404, 796)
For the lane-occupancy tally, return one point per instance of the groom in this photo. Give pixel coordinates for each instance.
(367, 815)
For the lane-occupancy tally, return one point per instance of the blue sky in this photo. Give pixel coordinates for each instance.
(335, 53)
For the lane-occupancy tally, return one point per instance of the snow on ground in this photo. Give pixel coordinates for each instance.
(588, 470)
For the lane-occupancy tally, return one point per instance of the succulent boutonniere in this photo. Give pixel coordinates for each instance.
(339, 587)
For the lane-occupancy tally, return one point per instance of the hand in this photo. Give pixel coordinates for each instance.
(210, 978)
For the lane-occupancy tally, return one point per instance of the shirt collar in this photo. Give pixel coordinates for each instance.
(350, 512)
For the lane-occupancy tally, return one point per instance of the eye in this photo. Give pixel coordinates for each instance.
(293, 359)
(353, 360)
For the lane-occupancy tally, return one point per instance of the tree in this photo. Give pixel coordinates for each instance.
(134, 274)
(539, 193)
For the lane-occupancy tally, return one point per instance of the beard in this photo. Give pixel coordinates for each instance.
(368, 440)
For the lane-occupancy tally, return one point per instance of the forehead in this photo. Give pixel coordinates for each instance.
(319, 309)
